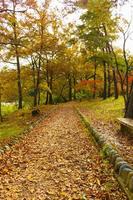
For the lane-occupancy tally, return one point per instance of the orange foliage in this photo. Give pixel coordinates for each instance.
(130, 79)
(88, 85)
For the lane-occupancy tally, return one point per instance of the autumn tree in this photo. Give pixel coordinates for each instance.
(98, 29)
(12, 37)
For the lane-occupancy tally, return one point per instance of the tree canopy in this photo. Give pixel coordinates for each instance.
(48, 61)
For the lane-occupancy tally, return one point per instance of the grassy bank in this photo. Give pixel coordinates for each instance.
(16, 121)
(107, 110)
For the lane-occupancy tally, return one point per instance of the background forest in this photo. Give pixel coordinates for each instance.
(47, 61)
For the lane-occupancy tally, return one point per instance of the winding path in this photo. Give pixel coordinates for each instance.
(57, 161)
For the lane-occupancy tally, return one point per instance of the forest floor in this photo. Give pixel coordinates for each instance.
(103, 117)
(57, 160)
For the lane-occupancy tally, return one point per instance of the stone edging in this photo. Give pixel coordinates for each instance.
(123, 171)
(26, 131)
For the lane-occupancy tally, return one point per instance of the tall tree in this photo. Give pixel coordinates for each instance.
(12, 36)
(97, 30)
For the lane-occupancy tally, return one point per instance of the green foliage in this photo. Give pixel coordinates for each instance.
(82, 95)
(32, 92)
(8, 109)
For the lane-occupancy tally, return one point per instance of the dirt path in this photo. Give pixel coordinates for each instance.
(57, 161)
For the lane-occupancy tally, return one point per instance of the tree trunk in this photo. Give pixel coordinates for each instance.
(109, 81)
(129, 108)
(39, 96)
(34, 82)
(105, 81)
(61, 92)
(51, 88)
(127, 68)
(94, 86)
(20, 100)
(74, 83)
(115, 84)
(110, 51)
(47, 80)
(38, 80)
(120, 76)
(19, 81)
(46, 102)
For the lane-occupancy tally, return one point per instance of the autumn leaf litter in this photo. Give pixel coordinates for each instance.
(57, 160)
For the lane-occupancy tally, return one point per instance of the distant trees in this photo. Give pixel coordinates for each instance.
(98, 32)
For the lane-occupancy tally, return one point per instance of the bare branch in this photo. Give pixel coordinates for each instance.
(5, 61)
(8, 10)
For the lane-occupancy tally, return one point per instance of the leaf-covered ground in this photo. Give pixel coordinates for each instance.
(57, 160)
(103, 116)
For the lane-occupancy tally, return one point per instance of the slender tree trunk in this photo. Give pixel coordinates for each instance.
(105, 81)
(127, 68)
(35, 98)
(20, 100)
(115, 84)
(129, 107)
(51, 88)
(106, 93)
(39, 96)
(38, 80)
(39, 66)
(74, 83)
(109, 81)
(47, 80)
(47, 99)
(61, 92)
(120, 76)
(34, 82)
(111, 51)
(94, 79)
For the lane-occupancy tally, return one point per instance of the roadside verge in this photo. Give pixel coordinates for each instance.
(123, 171)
